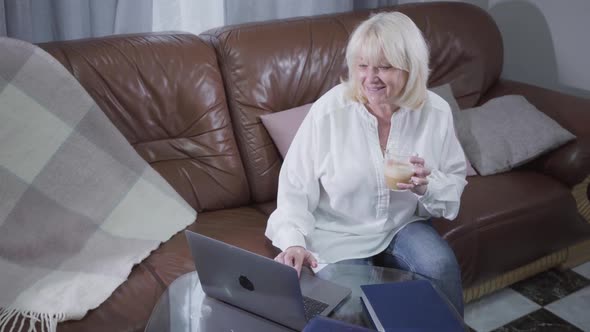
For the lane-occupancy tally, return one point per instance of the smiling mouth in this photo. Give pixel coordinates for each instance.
(375, 89)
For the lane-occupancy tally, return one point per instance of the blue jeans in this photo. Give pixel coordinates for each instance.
(418, 248)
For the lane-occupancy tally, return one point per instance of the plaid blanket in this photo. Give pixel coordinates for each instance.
(78, 206)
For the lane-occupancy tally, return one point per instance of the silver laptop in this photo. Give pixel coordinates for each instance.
(260, 285)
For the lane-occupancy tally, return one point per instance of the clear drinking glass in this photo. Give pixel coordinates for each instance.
(397, 168)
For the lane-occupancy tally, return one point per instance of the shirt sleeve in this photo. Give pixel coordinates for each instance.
(298, 191)
(447, 181)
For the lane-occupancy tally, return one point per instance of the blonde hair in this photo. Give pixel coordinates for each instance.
(395, 36)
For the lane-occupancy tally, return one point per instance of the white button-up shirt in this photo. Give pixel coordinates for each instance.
(332, 197)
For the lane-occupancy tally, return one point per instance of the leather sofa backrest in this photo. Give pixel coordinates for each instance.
(276, 65)
(165, 93)
(270, 67)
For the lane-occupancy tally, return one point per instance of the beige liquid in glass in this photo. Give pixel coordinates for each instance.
(397, 172)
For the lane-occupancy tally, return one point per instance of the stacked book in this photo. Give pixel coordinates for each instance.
(406, 306)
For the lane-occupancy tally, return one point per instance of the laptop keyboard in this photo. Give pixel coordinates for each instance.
(313, 307)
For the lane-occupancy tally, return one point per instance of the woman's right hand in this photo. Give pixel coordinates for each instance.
(296, 257)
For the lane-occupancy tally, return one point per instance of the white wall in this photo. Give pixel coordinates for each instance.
(2, 20)
(193, 16)
(546, 42)
(241, 11)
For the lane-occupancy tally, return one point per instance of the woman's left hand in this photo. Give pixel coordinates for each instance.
(419, 182)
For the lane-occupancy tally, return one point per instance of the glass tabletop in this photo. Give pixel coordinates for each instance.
(185, 307)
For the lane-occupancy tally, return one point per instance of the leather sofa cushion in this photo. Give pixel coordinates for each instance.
(509, 219)
(242, 227)
(127, 309)
(165, 93)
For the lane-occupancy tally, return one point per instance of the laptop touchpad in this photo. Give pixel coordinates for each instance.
(322, 290)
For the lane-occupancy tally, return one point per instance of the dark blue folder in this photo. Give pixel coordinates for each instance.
(324, 324)
(409, 306)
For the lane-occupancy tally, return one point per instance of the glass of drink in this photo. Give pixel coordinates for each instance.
(397, 168)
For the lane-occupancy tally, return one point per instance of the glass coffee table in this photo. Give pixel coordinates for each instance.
(184, 306)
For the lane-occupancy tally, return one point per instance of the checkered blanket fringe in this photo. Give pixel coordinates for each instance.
(18, 318)
(78, 206)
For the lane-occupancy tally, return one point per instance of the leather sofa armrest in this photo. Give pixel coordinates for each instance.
(570, 163)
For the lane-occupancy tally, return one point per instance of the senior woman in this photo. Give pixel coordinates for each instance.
(333, 204)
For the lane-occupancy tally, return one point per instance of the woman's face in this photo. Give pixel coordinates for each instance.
(380, 82)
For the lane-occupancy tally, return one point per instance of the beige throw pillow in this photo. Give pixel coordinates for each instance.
(506, 132)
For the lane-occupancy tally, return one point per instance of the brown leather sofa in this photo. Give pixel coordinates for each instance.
(190, 106)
